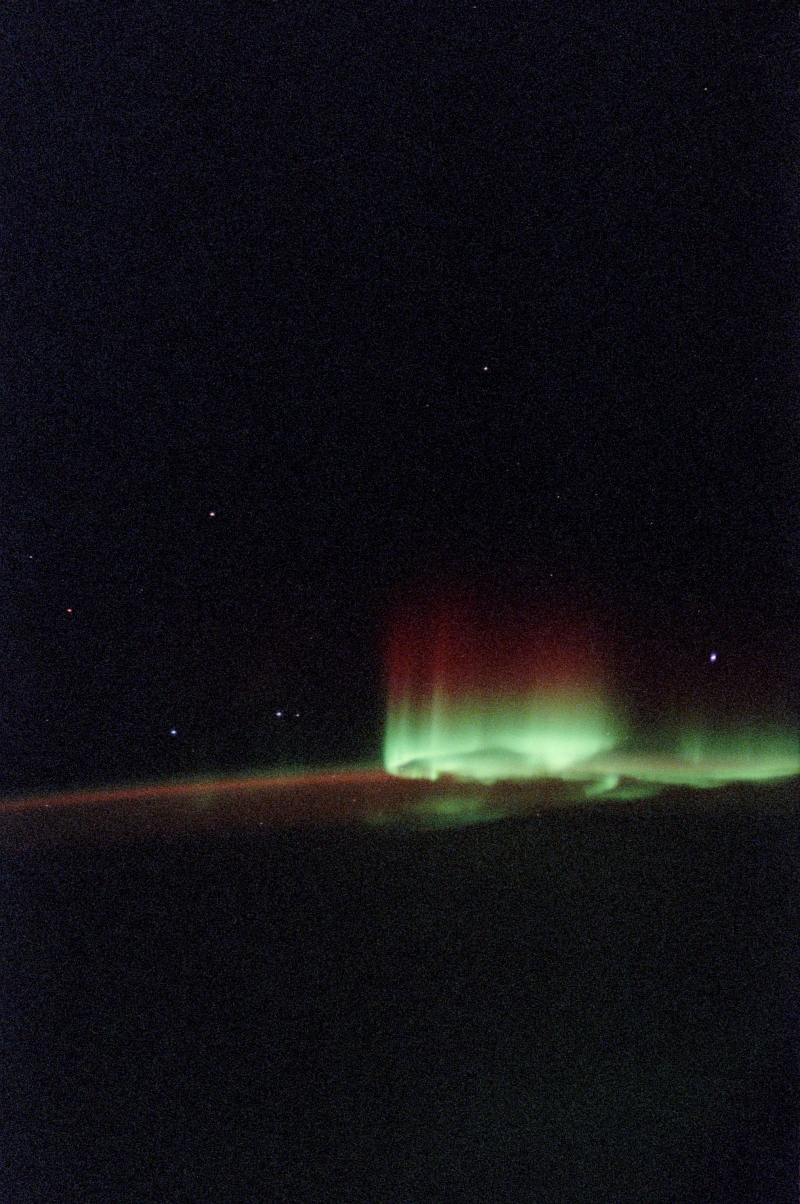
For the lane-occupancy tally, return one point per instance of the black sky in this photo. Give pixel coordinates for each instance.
(305, 303)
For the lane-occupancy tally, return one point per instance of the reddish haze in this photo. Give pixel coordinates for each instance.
(461, 644)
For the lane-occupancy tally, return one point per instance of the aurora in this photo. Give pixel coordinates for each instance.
(492, 712)
(480, 694)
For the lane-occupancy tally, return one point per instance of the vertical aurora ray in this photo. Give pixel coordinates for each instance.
(491, 693)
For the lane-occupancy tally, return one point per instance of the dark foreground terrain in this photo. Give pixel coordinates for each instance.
(589, 1004)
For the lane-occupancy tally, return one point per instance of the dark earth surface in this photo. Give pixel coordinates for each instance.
(588, 1004)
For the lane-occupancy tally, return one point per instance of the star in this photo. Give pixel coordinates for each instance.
(713, 657)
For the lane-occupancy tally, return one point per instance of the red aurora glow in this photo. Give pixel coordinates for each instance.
(459, 646)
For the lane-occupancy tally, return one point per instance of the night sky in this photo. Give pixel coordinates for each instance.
(308, 307)
(308, 304)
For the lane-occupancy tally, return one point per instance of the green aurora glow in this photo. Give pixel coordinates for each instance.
(579, 741)
(484, 693)
(493, 739)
